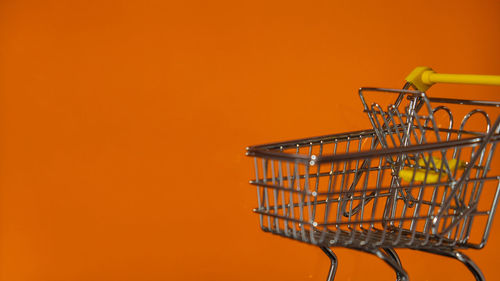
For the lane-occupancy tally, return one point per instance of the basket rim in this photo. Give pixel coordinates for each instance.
(268, 150)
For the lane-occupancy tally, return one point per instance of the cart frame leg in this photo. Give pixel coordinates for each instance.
(333, 264)
(473, 268)
(392, 253)
(390, 257)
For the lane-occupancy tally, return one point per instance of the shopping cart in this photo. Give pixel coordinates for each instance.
(418, 179)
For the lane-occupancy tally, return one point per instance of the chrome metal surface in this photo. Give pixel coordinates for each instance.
(333, 263)
(419, 179)
(473, 268)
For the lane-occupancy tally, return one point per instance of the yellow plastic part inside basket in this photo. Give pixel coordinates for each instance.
(407, 175)
(410, 174)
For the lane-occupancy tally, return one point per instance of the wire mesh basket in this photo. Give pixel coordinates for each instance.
(419, 179)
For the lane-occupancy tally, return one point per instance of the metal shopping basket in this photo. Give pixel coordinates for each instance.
(418, 179)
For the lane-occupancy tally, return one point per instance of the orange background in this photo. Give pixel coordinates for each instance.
(124, 123)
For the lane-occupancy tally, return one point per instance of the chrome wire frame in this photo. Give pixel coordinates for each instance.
(344, 190)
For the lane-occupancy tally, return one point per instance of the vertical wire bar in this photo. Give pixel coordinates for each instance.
(341, 190)
(275, 198)
(355, 180)
(491, 214)
(380, 183)
(301, 205)
(486, 168)
(363, 196)
(301, 198)
(316, 187)
(375, 193)
(259, 202)
(345, 182)
(457, 152)
(299, 195)
(427, 226)
(283, 201)
(400, 159)
(414, 222)
(291, 202)
(353, 194)
(331, 183)
(284, 208)
(307, 196)
(308, 203)
(266, 196)
(430, 213)
(394, 198)
(405, 206)
(474, 200)
(412, 185)
(456, 213)
(365, 185)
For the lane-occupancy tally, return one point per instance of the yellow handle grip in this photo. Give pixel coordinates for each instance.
(423, 77)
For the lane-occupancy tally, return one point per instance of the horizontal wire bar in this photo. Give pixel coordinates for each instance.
(426, 185)
(465, 102)
(396, 219)
(316, 140)
(426, 147)
(338, 172)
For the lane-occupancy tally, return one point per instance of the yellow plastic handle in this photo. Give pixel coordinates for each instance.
(423, 77)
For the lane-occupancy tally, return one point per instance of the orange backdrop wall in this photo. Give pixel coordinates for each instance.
(123, 127)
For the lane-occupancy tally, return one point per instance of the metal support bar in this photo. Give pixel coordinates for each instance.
(333, 265)
(391, 258)
(473, 268)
